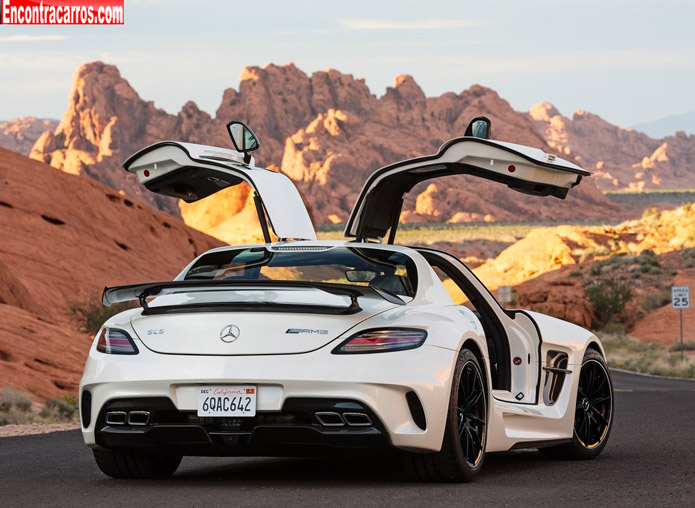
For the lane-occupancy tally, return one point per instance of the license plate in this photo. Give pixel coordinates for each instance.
(227, 401)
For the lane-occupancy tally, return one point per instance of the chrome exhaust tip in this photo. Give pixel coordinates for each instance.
(329, 419)
(116, 417)
(138, 417)
(357, 419)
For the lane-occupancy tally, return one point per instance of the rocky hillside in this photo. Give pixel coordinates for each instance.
(551, 266)
(326, 131)
(621, 158)
(63, 239)
(20, 134)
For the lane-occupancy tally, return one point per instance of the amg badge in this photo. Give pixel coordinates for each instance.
(307, 330)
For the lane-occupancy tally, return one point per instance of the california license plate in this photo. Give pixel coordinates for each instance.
(233, 400)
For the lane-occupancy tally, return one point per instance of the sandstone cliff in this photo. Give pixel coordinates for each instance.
(622, 158)
(326, 131)
(63, 239)
(550, 267)
(20, 134)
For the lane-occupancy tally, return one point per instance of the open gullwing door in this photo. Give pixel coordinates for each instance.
(522, 168)
(191, 172)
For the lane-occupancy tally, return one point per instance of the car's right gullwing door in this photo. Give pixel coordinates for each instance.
(522, 168)
(191, 172)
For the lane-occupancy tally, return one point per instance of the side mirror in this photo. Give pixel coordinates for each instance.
(244, 139)
(480, 127)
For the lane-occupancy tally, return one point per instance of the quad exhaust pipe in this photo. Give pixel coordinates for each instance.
(333, 419)
(129, 418)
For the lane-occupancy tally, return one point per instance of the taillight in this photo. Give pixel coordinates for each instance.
(382, 341)
(114, 341)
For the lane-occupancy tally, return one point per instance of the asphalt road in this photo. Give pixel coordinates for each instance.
(649, 461)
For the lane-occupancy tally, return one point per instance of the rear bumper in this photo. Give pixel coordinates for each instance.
(293, 431)
(378, 384)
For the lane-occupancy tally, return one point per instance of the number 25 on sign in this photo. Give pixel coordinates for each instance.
(680, 299)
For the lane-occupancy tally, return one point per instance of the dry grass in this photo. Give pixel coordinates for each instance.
(17, 407)
(624, 352)
(436, 232)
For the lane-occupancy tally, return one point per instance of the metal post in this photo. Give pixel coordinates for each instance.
(682, 346)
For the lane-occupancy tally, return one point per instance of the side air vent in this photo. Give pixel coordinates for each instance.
(416, 409)
(86, 408)
(555, 373)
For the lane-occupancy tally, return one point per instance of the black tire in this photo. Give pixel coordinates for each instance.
(136, 463)
(593, 418)
(465, 436)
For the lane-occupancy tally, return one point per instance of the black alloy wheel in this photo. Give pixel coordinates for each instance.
(593, 416)
(465, 435)
(594, 404)
(471, 413)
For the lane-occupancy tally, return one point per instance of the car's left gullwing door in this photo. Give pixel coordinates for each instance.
(522, 168)
(191, 172)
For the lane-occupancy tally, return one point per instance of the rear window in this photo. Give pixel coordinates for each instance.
(389, 270)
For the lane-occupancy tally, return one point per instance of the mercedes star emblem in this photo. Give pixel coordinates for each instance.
(230, 333)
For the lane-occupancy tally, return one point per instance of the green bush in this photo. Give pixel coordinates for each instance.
(90, 315)
(607, 298)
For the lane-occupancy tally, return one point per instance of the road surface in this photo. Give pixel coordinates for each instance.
(649, 462)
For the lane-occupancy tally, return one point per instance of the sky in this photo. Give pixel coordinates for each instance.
(630, 61)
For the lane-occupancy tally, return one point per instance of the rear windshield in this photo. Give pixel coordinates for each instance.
(393, 271)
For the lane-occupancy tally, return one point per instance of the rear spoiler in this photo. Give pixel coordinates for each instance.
(141, 292)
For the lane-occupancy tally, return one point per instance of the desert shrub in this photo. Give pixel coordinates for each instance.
(614, 329)
(625, 352)
(655, 299)
(607, 298)
(688, 345)
(648, 258)
(15, 405)
(595, 269)
(11, 398)
(90, 315)
(63, 408)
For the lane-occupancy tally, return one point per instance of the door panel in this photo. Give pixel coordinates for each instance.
(510, 334)
(191, 172)
(522, 168)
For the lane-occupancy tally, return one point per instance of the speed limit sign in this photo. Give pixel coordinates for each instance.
(680, 297)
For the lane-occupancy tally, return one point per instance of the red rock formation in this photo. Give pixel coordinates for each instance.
(622, 158)
(64, 238)
(326, 131)
(20, 134)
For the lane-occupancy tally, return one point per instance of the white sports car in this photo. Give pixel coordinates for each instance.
(298, 346)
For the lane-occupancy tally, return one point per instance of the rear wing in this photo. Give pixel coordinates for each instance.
(141, 292)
